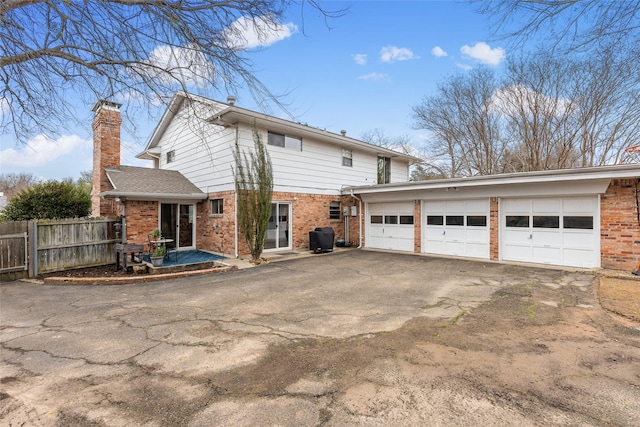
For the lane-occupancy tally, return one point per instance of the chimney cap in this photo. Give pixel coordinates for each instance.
(343, 132)
(231, 100)
(108, 105)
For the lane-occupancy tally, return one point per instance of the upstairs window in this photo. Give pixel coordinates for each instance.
(347, 157)
(384, 170)
(171, 156)
(285, 141)
(334, 210)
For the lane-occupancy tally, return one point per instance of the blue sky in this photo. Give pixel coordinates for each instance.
(362, 71)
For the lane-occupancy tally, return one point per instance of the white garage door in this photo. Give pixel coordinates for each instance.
(458, 227)
(556, 231)
(390, 226)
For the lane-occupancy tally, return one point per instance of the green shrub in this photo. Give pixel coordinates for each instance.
(48, 200)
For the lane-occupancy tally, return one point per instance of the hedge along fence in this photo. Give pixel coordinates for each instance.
(57, 245)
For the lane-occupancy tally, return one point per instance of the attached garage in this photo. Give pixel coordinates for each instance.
(559, 231)
(456, 227)
(583, 217)
(390, 226)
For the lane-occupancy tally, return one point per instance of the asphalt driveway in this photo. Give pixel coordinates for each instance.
(352, 338)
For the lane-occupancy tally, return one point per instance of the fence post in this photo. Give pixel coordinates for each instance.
(32, 229)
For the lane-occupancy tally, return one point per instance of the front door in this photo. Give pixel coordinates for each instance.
(177, 222)
(279, 229)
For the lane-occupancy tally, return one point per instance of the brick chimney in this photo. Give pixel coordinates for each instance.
(106, 154)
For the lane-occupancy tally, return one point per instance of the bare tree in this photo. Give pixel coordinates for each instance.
(139, 50)
(567, 24)
(12, 183)
(547, 113)
(466, 129)
(536, 103)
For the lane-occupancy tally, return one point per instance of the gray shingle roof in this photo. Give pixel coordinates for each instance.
(150, 184)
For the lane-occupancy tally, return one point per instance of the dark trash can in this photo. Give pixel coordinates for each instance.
(321, 239)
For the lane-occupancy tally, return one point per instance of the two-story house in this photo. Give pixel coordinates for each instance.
(190, 193)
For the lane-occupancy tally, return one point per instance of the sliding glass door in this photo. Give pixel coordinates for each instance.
(279, 229)
(177, 223)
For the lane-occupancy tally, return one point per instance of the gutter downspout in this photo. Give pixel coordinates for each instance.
(359, 219)
(235, 207)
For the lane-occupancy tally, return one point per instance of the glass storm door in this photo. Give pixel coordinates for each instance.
(278, 231)
(177, 223)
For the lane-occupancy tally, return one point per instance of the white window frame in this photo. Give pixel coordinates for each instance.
(347, 157)
(286, 141)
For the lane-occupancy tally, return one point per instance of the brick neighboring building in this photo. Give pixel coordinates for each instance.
(586, 217)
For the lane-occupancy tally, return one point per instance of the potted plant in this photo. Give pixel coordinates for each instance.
(157, 257)
(156, 234)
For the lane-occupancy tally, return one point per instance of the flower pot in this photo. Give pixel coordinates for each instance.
(156, 261)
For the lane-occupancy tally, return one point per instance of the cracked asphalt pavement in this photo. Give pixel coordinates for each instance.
(350, 338)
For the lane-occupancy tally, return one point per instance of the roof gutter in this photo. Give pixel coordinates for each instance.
(152, 196)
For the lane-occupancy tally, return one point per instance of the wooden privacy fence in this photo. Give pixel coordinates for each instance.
(36, 247)
(14, 250)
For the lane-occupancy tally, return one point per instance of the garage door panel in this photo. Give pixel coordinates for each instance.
(476, 207)
(476, 249)
(396, 231)
(405, 232)
(475, 235)
(520, 253)
(434, 233)
(516, 206)
(580, 258)
(546, 205)
(515, 236)
(455, 236)
(455, 248)
(455, 206)
(546, 255)
(548, 233)
(541, 238)
(435, 207)
(579, 240)
(578, 205)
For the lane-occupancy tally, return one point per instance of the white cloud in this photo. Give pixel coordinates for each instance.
(360, 58)
(41, 150)
(483, 53)
(464, 67)
(373, 76)
(4, 105)
(512, 99)
(186, 63)
(438, 52)
(393, 53)
(248, 33)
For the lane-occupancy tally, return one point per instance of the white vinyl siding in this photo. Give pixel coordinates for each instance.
(204, 155)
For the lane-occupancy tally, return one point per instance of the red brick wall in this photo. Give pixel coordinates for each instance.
(217, 232)
(142, 219)
(417, 227)
(494, 229)
(619, 229)
(106, 154)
